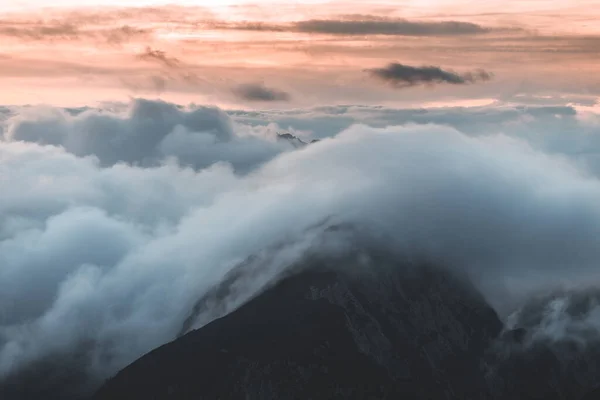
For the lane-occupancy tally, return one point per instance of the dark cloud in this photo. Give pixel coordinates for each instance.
(400, 75)
(365, 25)
(387, 26)
(259, 92)
(159, 56)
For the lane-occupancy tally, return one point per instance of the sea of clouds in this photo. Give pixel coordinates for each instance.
(114, 221)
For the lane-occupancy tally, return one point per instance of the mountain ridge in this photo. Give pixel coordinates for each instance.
(322, 333)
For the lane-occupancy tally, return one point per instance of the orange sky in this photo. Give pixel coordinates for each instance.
(85, 52)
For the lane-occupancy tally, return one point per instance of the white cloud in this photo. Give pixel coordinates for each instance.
(113, 256)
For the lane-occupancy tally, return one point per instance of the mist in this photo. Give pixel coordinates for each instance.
(113, 224)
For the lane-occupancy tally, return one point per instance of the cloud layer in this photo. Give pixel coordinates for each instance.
(107, 239)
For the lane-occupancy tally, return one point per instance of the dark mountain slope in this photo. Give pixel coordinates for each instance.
(593, 395)
(353, 327)
(553, 352)
(385, 332)
(57, 377)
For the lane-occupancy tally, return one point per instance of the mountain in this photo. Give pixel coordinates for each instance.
(293, 140)
(593, 395)
(365, 325)
(385, 332)
(58, 377)
(552, 352)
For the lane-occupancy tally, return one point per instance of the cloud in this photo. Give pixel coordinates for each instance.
(154, 82)
(174, 70)
(61, 30)
(105, 253)
(148, 133)
(400, 75)
(259, 92)
(71, 31)
(363, 25)
(125, 33)
(541, 127)
(159, 56)
(113, 25)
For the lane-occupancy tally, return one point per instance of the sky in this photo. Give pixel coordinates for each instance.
(298, 53)
(140, 160)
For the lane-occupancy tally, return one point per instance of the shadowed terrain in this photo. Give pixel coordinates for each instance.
(323, 333)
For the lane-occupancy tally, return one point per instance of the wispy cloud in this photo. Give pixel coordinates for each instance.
(400, 75)
(172, 71)
(41, 31)
(366, 25)
(159, 56)
(66, 30)
(259, 92)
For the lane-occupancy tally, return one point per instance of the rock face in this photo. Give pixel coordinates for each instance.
(56, 378)
(593, 395)
(551, 351)
(384, 333)
(293, 140)
(355, 326)
(347, 328)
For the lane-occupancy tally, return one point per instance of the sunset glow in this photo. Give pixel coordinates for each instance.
(91, 49)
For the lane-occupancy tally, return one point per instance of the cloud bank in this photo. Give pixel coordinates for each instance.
(112, 225)
(148, 133)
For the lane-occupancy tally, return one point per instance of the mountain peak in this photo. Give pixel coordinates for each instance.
(325, 333)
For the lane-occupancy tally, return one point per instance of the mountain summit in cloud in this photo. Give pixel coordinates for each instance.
(116, 221)
(331, 329)
(408, 191)
(366, 325)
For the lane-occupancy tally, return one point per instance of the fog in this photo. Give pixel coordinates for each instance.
(114, 223)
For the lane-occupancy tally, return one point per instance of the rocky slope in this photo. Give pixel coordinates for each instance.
(386, 333)
(359, 326)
